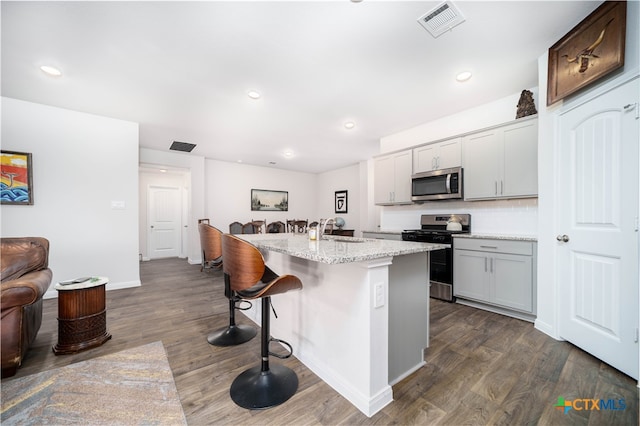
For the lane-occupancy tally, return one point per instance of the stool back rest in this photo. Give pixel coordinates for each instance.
(243, 262)
(210, 241)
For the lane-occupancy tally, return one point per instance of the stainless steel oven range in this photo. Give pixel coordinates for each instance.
(439, 228)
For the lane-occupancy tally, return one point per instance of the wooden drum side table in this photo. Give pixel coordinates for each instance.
(82, 315)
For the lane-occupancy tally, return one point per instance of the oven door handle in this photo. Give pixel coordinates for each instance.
(448, 183)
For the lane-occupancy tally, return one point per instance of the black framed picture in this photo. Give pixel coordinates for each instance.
(266, 200)
(341, 201)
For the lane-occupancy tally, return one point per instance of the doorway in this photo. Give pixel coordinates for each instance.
(164, 212)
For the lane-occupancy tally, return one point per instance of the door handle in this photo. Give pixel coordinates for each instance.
(151, 226)
(563, 238)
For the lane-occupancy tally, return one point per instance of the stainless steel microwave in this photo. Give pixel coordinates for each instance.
(442, 184)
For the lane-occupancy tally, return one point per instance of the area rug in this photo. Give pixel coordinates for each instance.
(131, 387)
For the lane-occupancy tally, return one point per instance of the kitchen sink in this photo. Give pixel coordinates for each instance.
(347, 240)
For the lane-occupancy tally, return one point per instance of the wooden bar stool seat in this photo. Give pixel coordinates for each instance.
(263, 386)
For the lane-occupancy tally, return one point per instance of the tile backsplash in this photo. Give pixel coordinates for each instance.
(499, 217)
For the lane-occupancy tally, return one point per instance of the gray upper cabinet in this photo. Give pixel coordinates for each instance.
(438, 155)
(392, 178)
(502, 162)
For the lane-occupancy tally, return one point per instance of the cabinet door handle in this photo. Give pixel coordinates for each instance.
(485, 264)
(496, 186)
(501, 187)
(491, 264)
(489, 247)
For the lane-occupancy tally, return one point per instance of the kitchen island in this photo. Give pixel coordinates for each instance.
(361, 320)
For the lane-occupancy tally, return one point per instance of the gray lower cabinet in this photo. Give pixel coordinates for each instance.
(397, 236)
(497, 274)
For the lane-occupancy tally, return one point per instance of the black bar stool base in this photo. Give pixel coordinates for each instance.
(232, 335)
(256, 390)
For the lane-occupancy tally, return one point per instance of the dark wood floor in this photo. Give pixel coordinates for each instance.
(482, 368)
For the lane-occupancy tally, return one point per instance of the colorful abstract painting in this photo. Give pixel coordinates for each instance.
(16, 185)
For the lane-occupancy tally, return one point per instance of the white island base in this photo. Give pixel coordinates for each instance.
(361, 326)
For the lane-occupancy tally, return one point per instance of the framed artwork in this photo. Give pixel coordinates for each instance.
(341, 201)
(16, 181)
(264, 200)
(591, 50)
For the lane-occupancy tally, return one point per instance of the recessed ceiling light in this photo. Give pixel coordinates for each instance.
(52, 71)
(463, 76)
(288, 154)
(349, 125)
(253, 94)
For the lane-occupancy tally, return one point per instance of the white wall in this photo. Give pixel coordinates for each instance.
(81, 163)
(497, 112)
(502, 217)
(346, 178)
(228, 193)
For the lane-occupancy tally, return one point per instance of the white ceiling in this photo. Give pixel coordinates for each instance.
(182, 70)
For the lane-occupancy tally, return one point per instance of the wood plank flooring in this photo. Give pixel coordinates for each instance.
(482, 368)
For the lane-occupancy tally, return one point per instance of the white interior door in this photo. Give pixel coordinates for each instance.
(164, 220)
(597, 227)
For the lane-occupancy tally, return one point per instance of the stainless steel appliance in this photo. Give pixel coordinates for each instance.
(442, 184)
(440, 228)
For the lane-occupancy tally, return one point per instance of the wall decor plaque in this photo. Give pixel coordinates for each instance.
(591, 50)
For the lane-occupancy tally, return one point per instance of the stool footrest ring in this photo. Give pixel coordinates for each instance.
(240, 302)
(285, 356)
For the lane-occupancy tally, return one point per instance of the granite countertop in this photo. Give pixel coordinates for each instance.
(335, 249)
(499, 237)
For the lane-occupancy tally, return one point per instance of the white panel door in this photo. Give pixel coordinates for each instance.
(597, 227)
(164, 219)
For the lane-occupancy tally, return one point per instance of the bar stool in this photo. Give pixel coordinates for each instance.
(210, 244)
(233, 334)
(263, 386)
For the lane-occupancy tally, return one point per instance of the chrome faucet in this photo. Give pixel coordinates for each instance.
(324, 227)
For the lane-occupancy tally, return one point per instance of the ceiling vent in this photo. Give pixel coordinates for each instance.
(182, 146)
(441, 18)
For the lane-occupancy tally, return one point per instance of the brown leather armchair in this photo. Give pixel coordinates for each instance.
(24, 278)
